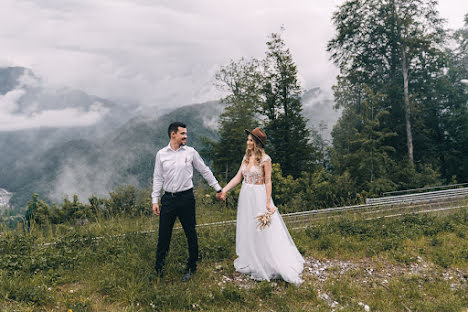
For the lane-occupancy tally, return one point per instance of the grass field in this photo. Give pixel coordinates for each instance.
(410, 263)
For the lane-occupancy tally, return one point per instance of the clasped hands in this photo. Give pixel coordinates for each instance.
(221, 195)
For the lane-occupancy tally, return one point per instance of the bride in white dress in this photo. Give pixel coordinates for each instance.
(268, 253)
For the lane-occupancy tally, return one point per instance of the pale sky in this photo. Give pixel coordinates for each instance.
(165, 53)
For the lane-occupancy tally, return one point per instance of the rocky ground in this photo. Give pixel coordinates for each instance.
(365, 272)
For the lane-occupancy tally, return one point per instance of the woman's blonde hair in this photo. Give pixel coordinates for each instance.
(257, 150)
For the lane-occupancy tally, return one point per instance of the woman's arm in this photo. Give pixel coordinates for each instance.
(234, 181)
(267, 168)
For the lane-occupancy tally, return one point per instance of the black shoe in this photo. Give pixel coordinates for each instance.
(188, 275)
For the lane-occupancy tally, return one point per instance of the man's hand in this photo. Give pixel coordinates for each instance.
(221, 195)
(156, 209)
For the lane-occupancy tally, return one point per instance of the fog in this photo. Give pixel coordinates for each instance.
(29, 106)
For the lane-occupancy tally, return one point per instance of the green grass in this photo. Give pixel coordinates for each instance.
(416, 262)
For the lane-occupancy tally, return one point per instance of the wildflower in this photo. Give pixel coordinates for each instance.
(264, 220)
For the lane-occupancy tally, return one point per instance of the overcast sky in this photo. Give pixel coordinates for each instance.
(165, 53)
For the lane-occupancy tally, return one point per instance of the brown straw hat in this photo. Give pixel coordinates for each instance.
(258, 134)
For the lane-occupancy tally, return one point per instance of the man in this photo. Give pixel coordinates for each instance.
(173, 171)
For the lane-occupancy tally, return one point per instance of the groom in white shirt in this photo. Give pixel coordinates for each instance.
(173, 172)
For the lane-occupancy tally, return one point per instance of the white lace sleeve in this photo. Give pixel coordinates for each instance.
(265, 158)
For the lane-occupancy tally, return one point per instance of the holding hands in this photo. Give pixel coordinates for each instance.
(221, 195)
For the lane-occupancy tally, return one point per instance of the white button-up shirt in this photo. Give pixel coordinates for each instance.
(173, 171)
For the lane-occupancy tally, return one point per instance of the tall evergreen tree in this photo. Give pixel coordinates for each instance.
(37, 210)
(285, 126)
(398, 48)
(241, 80)
(390, 45)
(360, 142)
(454, 118)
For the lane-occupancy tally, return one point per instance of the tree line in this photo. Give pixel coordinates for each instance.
(402, 88)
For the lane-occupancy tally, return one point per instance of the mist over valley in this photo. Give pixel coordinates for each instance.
(60, 158)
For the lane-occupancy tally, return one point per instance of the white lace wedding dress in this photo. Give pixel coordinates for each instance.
(269, 253)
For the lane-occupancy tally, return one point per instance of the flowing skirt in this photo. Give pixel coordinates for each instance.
(264, 254)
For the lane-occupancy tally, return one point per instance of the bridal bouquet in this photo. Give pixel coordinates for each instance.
(264, 220)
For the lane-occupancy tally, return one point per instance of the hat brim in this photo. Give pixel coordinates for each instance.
(258, 139)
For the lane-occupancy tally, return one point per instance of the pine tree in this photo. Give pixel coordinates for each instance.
(360, 148)
(453, 90)
(241, 80)
(391, 46)
(285, 126)
(37, 210)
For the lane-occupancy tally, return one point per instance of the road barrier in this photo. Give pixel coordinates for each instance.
(418, 197)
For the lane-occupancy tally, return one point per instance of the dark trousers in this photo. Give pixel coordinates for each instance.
(181, 206)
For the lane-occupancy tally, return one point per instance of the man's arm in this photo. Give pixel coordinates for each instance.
(157, 184)
(205, 171)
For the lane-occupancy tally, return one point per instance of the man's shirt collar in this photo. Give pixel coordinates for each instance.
(169, 148)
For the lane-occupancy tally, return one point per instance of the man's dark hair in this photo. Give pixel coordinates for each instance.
(174, 127)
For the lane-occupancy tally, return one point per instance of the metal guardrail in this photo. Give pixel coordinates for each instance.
(427, 196)
(425, 189)
(300, 220)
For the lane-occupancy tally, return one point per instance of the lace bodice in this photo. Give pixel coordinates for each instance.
(255, 174)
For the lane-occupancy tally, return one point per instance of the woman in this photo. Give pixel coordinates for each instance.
(270, 252)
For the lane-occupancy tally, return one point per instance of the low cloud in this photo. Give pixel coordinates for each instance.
(84, 177)
(77, 177)
(165, 53)
(25, 107)
(68, 117)
(9, 103)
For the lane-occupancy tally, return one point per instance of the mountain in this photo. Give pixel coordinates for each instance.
(118, 149)
(35, 118)
(27, 101)
(91, 165)
(10, 77)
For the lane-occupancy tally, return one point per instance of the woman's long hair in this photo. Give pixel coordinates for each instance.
(257, 150)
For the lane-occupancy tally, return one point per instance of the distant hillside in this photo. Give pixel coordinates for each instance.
(119, 149)
(10, 76)
(26, 141)
(97, 165)
(23, 98)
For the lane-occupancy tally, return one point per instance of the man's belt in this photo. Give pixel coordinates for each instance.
(178, 193)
